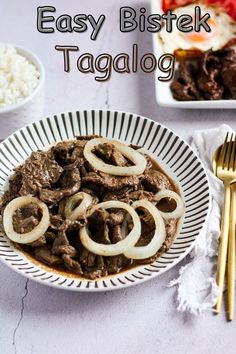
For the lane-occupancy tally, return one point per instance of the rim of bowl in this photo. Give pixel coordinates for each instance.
(33, 59)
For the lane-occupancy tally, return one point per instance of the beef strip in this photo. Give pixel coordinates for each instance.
(68, 184)
(55, 222)
(100, 229)
(39, 171)
(155, 181)
(14, 187)
(40, 242)
(87, 137)
(110, 182)
(208, 77)
(122, 195)
(68, 152)
(61, 244)
(44, 255)
(116, 263)
(87, 258)
(116, 234)
(116, 218)
(72, 264)
(184, 87)
(228, 73)
(110, 154)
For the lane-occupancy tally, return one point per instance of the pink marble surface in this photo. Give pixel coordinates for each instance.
(143, 319)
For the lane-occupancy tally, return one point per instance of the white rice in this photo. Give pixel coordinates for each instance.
(18, 77)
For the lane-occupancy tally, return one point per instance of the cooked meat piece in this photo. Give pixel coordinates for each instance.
(62, 151)
(14, 187)
(50, 236)
(68, 152)
(55, 221)
(118, 159)
(171, 226)
(110, 154)
(183, 87)
(44, 255)
(30, 210)
(228, 73)
(61, 244)
(135, 147)
(141, 194)
(23, 226)
(95, 273)
(69, 184)
(148, 223)
(71, 264)
(97, 270)
(39, 171)
(51, 197)
(116, 263)
(70, 180)
(122, 195)
(40, 242)
(116, 218)
(109, 181)
(87, 137)
(98, 223)
(210, 88)
(87, 258)
(104, 151)
(155, 181)
(116, 234)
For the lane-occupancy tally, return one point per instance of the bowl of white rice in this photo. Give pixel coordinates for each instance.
(22, 79)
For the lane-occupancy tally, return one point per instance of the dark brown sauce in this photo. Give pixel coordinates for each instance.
(60, 269)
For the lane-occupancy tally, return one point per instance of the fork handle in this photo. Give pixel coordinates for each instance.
(231, 255)
(222, 256)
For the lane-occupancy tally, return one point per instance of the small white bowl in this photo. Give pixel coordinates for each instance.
(31, 108)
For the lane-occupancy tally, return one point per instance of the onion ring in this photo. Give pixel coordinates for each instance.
(158, 238)
(138, 159)
(73, 214)
(119, 247)
(34, 234)
(179, 210)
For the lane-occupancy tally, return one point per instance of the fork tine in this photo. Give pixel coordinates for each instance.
(234, 147)
(223, 152)
(232, 159)
(228, 166)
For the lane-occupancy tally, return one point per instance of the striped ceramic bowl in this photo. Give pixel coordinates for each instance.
(171, 152)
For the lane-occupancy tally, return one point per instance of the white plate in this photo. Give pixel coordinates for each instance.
(170, 151)
(163, 93)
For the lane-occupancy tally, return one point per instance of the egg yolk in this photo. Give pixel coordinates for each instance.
(202, 36)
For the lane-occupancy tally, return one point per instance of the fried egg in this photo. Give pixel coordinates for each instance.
(223, 29)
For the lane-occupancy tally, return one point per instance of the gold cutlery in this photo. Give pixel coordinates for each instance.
(225, 169)
(231, 255)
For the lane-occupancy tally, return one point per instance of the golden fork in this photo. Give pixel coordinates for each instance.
(225, 169)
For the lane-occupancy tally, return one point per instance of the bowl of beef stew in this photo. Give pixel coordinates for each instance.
(95, 200)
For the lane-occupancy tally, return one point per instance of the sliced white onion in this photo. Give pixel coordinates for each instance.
(179, 210)
(138, 159)
(119, 247)
(158, 238)
(34, 234)
(73, 213)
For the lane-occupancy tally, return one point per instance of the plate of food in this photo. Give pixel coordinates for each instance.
(98, 200)
(205, 70)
